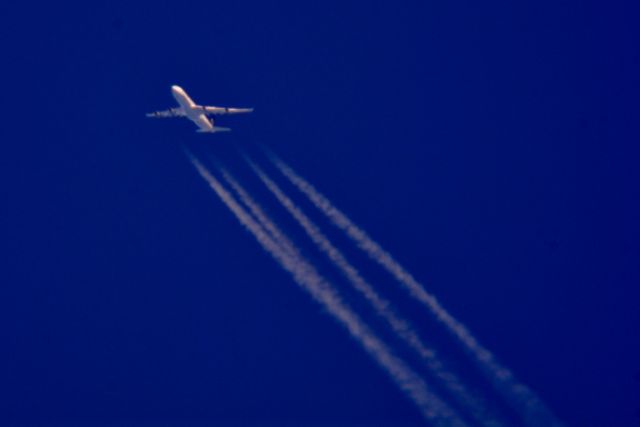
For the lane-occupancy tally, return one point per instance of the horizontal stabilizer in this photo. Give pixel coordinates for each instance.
(214, 130)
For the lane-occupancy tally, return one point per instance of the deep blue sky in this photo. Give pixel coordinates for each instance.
(492, 147)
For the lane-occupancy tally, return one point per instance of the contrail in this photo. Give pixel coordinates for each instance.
(382, 307)
(257, 211)
(519, 396)
(431, 407)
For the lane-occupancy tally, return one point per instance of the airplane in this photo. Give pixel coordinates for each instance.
(197, 113)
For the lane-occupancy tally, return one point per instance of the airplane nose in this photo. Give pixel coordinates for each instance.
(176, 89)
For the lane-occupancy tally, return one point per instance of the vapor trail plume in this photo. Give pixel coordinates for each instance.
(382, 307)
(431, 407)
(533, 411)
(257, 211)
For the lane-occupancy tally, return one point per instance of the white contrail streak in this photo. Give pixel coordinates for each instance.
(257, 212)
(382, 307)
(431, 407)
(533, 411)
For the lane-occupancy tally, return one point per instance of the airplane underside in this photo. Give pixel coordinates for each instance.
(199, 114)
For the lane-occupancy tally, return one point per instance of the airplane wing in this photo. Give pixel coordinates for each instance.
(173, 112)
(211, 110)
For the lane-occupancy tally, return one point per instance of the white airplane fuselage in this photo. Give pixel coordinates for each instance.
(193, 114)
